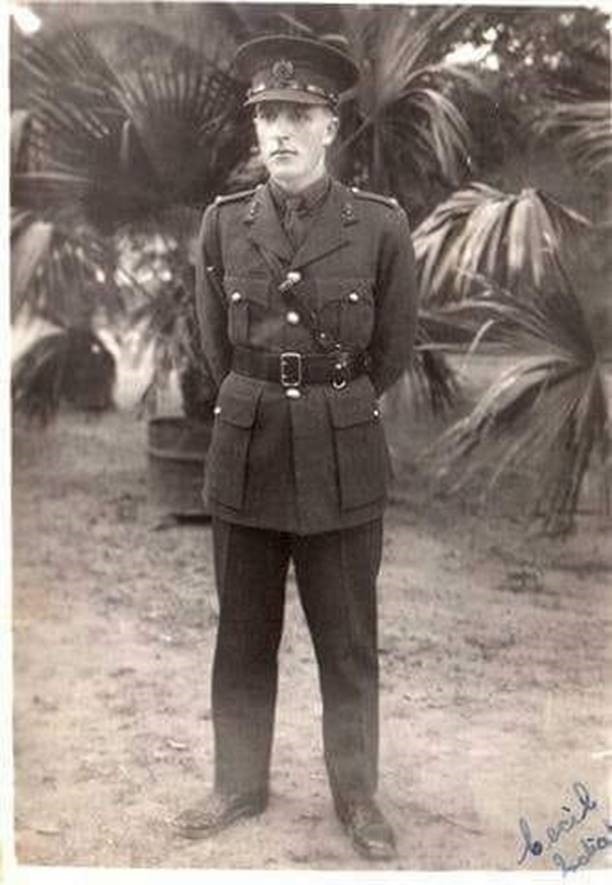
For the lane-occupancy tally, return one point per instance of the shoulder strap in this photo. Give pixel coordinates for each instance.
(224, 199)
(390, 202)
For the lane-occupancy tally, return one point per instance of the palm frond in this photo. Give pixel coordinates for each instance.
(37, 378)
(443, 132)
(81, 129)
(479, 230)
(185, 113)
(546, 415)
(584, 132)
(406, 128)
(433, 382)
(169, 323)
(62, 274)
(30, 243)
(409, 52)
(71, 365)
(19, 123)
(122, 145)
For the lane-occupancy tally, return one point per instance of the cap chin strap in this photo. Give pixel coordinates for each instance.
(294, 86)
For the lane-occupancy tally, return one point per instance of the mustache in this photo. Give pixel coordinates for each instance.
(282, 150)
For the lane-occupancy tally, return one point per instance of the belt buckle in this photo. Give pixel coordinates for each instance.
(290, 369)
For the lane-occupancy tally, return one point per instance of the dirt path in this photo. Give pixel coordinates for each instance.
(494, 651)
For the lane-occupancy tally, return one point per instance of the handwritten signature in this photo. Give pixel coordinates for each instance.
(571, 819)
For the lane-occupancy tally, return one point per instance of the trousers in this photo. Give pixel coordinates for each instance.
(336, 578)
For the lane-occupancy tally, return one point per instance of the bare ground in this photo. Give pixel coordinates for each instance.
(495, 650)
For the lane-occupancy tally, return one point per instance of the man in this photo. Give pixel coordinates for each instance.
(306, 298)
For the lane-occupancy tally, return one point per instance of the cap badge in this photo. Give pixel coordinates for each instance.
(283, 74)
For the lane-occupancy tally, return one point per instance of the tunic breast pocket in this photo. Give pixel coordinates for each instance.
(347, 310)
(226, 469)
(248, 298)
(361, 450)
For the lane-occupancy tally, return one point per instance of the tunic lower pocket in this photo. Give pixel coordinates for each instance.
(361, 451)
(226, 467)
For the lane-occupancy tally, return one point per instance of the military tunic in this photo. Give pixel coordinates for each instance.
(318, 462)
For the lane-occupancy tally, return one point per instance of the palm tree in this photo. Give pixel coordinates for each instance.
(65, 275)
(121, 145)
(404, 134)
(113, 150)
(144, 138)
(493, 263)
(577, 113)
(546, 415)
(60, 270)
(135, 128)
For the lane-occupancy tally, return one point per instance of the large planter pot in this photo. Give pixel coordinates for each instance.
(177, 449)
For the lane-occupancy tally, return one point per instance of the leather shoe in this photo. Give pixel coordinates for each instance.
(217, 812)
(369, 830)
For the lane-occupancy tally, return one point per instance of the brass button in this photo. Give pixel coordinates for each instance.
(236, 297)
(293, 317)
(354, 297)
(322, 336)
(217, 410)
(293, 277)
(376, 413)
(293, 393)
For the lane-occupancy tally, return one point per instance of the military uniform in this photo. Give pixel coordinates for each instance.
(300, 339)
(316, 462)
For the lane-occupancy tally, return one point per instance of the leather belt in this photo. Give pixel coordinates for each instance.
(291, 369)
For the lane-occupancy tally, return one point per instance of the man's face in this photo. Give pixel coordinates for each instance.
(292, 139)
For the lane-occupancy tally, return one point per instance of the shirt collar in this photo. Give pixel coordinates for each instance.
(307, 200)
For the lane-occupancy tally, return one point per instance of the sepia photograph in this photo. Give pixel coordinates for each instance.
(310, 445)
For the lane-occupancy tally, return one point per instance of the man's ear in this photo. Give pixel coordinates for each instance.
(332, 129)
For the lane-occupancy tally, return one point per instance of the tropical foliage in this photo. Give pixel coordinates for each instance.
(70, 365)
(121, 146)
(405, 132)
(546, 415)
(127, 126)
(62, 274)
(115, 145)
(508, 238)
(585, 133)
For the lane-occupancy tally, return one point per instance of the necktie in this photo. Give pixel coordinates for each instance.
(294, 220)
